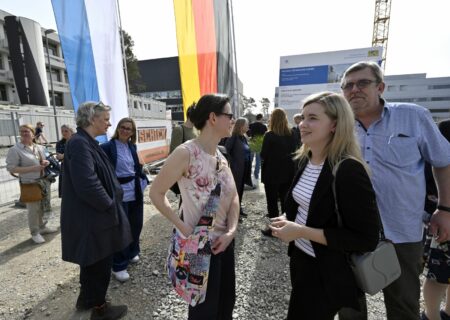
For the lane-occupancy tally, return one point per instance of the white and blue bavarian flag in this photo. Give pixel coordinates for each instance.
(91, 44)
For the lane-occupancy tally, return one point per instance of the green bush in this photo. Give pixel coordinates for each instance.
(255, 144)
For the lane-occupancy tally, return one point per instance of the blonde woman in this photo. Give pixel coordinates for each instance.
(277, 169)
(27, 159)
(322, 280)
(122, 152)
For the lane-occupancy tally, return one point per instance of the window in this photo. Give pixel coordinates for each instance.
(52, 49)
(390, 88)
(440, 99)
(56, 75)
(58, 98)
(3, 94)
(440, 86)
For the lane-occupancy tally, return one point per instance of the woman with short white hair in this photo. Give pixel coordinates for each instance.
(93, 223)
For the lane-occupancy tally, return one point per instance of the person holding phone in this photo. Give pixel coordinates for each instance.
(321, 277)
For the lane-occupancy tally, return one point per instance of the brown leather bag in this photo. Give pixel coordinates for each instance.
(30, 192)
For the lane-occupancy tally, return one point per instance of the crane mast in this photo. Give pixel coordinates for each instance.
(381, 27)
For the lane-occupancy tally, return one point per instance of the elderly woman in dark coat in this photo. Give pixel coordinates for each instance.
(93, 223)
(240, 158)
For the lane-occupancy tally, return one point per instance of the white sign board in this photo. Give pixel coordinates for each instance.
(302, 75)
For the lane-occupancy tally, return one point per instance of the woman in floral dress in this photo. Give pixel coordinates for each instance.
(199, 167)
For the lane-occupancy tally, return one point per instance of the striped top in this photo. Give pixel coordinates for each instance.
(302, 193)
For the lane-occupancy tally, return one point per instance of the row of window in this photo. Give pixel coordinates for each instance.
(143, 106)
(59, 100)
(417, 87)
(421, 99)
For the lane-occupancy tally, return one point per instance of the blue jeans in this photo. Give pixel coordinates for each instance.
(135, 214)
(257, 164)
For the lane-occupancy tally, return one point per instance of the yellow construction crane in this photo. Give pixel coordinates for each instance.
(381, 27)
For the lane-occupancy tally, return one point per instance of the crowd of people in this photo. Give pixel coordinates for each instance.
(352, 150)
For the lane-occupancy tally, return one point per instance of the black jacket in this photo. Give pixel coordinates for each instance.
(298, 139)
(240, 168)
(93, 222)
(358, 208)
(276, 154)
(257, 129)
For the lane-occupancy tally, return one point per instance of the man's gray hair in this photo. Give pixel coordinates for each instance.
(297, 116)
(372, 65)
(88, 110)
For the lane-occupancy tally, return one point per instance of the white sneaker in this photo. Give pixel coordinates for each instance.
(47, 230)
(135, 259)
(38, 239)
(121, 276)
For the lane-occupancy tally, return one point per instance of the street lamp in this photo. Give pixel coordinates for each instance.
(46, 33)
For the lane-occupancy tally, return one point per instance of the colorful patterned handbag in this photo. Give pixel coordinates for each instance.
(189, 258)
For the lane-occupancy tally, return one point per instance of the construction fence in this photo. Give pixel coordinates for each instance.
(9, 136)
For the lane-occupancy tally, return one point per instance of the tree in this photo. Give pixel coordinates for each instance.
(247, 104)
(265, 103)
(134, 76)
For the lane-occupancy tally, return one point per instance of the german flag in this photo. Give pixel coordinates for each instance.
(205, 48)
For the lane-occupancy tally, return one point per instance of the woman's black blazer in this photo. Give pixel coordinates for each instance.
(360, 230)
(276, 154)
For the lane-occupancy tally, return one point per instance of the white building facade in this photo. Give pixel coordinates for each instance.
(431, 93)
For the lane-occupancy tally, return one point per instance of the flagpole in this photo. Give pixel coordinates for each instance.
(124, 59)
(236, 88)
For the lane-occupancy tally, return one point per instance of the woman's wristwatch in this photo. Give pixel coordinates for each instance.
(443, 208)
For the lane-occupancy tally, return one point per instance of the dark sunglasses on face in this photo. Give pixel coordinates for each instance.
(360, 84)
(229, 115)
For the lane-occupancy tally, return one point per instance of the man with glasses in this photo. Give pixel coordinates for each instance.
(396, 139)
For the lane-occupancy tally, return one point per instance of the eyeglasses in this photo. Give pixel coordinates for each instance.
(125, 128)
(360, 84)
(229, 115)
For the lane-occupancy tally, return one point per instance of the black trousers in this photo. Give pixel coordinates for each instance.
(308, 298)
(94, 281)
(221, 291)
(275, 192)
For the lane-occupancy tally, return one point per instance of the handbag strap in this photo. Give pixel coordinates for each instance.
(182, 134)
(336, 209)
(214, 192)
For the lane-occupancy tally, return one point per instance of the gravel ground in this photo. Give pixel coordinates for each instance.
(37, 284)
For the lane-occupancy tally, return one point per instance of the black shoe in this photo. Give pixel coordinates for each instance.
(243, 214)
(108, 312)
(267, 232)
(444, 315)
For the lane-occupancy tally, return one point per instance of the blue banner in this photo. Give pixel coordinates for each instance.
(303, 75)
